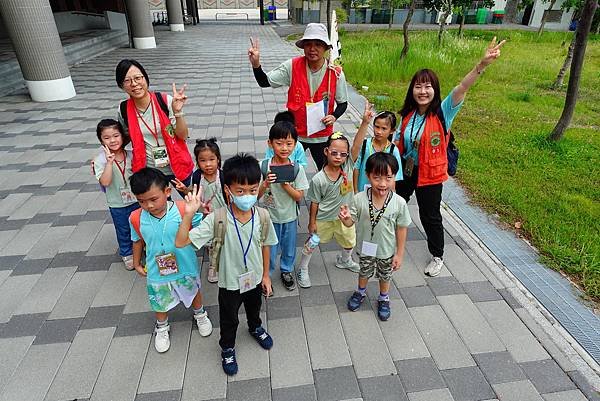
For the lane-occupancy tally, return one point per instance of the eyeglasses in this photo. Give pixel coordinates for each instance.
(335, 153)
(138, 79)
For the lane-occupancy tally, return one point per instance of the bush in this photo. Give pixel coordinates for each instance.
(342, 15)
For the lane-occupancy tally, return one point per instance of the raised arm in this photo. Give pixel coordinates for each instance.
(254, 57)
(193, 200)
(491, 54)
(179, 99)
(362, 131)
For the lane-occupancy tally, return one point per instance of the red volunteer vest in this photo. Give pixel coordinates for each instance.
(299, 95)
(433, 160)
(179, 156)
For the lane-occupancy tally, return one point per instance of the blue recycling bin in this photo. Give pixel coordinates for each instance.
(272, 13)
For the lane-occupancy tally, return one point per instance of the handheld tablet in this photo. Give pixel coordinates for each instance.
(284, 173)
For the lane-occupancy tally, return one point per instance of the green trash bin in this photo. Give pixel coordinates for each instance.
(498, 16)
(266, 15)
(481, 15)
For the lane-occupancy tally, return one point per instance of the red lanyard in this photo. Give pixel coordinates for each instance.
(155, 132)
(122, 171)
(344, 176)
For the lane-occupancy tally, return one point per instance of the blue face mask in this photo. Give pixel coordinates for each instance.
(244, 202)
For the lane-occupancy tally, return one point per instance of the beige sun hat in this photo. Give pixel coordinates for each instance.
(314, 32)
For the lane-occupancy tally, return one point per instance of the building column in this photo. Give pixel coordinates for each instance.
(141, 24)
(32, 30)
(175, 14)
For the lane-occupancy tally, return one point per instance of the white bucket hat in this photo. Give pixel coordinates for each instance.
(315, 32)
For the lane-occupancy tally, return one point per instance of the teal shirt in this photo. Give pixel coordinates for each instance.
(361, 164)
(159, 236)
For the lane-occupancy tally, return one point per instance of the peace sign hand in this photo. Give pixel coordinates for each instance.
(492, 52)
(193, 200)
(369, 113)
(254, 52)
(179, 98)
(345, 216)
(110, 156)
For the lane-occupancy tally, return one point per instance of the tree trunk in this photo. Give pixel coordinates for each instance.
(544, 16)
(442, 25)
(391, 16)
(411, 11)
(581, 36)
(462, 22)
(511, 10)
(329, 18)
(558, 82)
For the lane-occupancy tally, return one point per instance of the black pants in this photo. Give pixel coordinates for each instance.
(229, 306)
(317, 151)
(429, 198)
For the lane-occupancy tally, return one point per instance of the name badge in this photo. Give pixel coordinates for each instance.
(167, 264)
(247, 281)
(409, 166)
(346, 187)
(161, 158)
(368, 249)
(126, 195)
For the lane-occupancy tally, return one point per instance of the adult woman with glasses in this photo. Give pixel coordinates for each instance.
(155, 122)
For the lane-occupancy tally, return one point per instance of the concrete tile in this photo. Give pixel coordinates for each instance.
(102, 316)
(341, 302)
(12, 292)
(29, 208)
(138, 297)
(517, 391)
(466, 384)
(401, 335)
(31, 266)
(420, 256)
(49, 243)
(13, 201)
(289, 360)
(441, 286)
(169, 367)
(382, 388)
(340, 279)
(462, 268)
(80, 204)
(253, 361)
(105, 243)
(46, 291)
(437, 395)
(419, 375)
(283, 308)
(82, 237)
(572, 395)
(116, 287)
(40, 362)
(510, 300)
(304, 393)
(443, 342)
(499, 367)
(470, 324)
(67, 259)
(23, 325)
(97, 263)
(8, 262)
(336, 384)
(518, 340)
(134, 324)
(172, 395)
(326, 343)
(122, 369)
(78, 373)
(27, 237)
(78, 295)
(316, 295)
(417, 296)
(4, 275)
(204, 360)
(58, 331)
(12, 351)
(481, 291)
(249, 390)
(547, 376)
(370, 358)
(590, 392)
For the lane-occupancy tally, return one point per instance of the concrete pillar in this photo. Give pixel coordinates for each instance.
(175, 14)
(141, 24)
(32, 30)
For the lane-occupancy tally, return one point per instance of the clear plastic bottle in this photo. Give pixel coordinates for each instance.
(311, 243)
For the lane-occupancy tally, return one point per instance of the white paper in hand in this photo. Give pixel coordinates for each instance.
(315, 112)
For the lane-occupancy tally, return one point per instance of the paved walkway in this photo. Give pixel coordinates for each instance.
(75, 325)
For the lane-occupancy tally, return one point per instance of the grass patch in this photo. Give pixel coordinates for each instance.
(506, 163)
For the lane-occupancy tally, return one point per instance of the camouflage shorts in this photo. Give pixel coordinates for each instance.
(382, 268)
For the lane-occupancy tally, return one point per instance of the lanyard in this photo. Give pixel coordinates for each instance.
(164, 226)
(122, 171)
(375, 219)
(237, 230)
(325, 104)
(155, 132)
(375, 150)
(413, 135)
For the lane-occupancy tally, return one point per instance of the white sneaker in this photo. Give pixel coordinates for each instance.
(213, 275)
(162, 343)
(128, 261)
(204, 325)
(434, 267)
(303, 278)
(349, 264)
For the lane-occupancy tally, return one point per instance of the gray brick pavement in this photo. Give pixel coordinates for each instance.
(72, 318)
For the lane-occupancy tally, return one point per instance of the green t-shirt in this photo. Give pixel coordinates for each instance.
(149, 139)
(282, 76)
(284, 209)
(396, 215)
(231, 263)
(212, 188)
(113, 193)
(327, 193)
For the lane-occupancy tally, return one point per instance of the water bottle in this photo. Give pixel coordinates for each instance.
(311, 243)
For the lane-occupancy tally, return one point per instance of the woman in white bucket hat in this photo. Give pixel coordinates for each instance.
(311, 79)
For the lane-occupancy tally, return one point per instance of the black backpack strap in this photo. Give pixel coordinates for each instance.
(162, 103)
(363, 149)
(123, 110)
(392, 146)
(196, 177)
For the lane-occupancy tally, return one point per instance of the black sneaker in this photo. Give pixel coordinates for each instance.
(288, 281)
(262, 337)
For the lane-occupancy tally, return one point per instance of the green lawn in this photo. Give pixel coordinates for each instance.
(506, 163)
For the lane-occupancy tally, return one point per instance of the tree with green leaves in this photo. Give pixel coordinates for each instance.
(441, 6)
(462, 6)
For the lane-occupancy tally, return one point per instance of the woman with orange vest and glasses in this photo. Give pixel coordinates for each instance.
(311, 79)
(155, 122)
(422, 142)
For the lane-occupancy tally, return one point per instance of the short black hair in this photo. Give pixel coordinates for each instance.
(285, 116)
(380, 163)
(110, 123)
(282, 130)
(124, 66)
(241, 169)
(387, 115)
(210, 144)
(142, 180)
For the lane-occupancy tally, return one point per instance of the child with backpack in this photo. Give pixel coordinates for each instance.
(172, 273)
(242, 235)
(112, 168)
(329, 189)
(382, 219)
(298, 155)
(384, 124)
(280, 196)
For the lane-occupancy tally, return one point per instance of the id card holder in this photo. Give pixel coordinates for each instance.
(126, 195)
(369, 249)
(409, 166)
(346, 187)
(269, 200)
(167, 264)
(161, 158)
(246, 281)
(367, 186)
